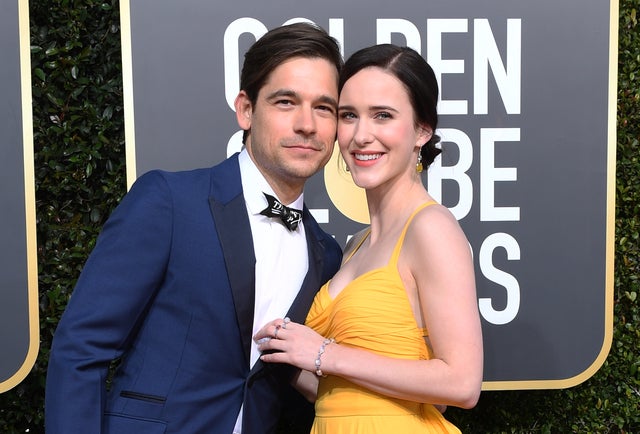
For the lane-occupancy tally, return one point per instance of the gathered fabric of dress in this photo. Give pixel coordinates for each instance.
(373, 313)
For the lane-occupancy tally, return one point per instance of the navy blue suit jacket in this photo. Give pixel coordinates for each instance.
(169, 292)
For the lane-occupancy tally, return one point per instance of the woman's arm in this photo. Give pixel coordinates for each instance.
(306, 383)
(436, 260)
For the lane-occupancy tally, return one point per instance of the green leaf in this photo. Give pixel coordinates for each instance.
(40, 74)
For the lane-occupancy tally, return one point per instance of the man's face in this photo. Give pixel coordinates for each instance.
(293, 123)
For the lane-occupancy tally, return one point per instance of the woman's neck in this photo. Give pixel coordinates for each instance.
(391, 205)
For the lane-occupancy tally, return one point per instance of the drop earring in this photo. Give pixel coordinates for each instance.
(419, 164)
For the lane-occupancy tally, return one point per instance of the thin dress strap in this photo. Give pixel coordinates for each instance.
(365, 235)
(396, 251)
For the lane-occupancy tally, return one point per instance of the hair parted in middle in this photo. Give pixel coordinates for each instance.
(414, 73)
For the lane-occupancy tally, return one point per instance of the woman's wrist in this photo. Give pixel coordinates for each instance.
(321, 351)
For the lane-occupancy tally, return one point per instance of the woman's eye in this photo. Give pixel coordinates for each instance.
(383, 115)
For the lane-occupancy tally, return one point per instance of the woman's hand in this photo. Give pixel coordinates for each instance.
(292, 343)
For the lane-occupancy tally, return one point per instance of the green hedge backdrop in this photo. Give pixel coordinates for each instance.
(80, 177)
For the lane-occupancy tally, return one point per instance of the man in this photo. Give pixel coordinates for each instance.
(188, 267)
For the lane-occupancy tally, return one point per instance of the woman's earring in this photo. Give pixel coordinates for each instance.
(419, 164)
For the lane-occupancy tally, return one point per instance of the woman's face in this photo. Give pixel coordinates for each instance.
(377, 131)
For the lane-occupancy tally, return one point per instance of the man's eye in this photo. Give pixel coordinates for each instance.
(326, 108)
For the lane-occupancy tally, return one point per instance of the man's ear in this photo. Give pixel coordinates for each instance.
(244, 110)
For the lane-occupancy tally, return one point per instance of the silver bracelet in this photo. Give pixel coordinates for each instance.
(320, 353)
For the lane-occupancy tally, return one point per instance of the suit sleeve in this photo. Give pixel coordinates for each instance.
(108, 303)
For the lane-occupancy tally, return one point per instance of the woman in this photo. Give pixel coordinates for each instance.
(396, 333)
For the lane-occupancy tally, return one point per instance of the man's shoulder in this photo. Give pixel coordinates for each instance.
(171, 182)
(204, 175)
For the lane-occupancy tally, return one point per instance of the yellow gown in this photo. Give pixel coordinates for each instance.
(372, 312)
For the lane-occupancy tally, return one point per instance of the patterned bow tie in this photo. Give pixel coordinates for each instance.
(289, 216)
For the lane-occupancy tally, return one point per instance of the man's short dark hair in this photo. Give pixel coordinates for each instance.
(281, 44)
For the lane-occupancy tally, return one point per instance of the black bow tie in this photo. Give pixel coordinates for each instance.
(289, 216)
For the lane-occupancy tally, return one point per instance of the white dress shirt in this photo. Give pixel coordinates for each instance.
(282, 260)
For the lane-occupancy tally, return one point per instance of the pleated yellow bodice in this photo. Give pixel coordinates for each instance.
(372, 312)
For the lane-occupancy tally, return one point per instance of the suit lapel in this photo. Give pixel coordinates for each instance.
(234, 231)
(311, 283)
(232, 225)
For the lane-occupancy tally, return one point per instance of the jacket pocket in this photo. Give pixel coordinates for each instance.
(123, 424)
(143, 397)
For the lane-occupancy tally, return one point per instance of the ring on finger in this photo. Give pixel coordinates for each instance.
(287, 320)
(275, 334)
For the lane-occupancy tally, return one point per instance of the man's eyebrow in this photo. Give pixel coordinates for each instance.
(328, 100)
(279, 93)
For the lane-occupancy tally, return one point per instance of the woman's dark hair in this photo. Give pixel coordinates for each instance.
(281, 44)
(415, 74)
